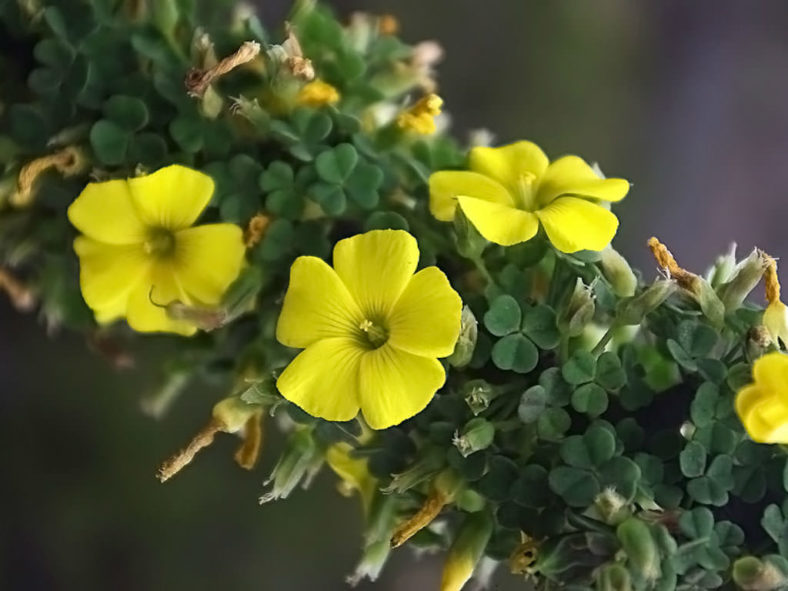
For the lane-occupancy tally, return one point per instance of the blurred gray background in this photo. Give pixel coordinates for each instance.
(685, 99)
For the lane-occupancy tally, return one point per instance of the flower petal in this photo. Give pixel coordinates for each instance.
(574, 224)
(376, 267)
(317, 305)
(106, 212)
(208, 259)
(502, 224)
(426, 319)
(447, 185)
(323, 379)
(507, 164)
(172, 197)
(571, 175)
(763, 414)
(771, 372)
(107, 273)
(146, 310)
(395, 385)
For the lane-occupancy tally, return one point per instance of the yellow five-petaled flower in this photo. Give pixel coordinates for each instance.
(371, 330)
(510, 190)
(138, 251)
(763, 405)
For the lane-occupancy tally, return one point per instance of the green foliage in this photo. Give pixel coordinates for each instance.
(624, 458)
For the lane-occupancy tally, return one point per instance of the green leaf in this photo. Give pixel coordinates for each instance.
(54, 53)
(504, 316)
(496, 484)
(717, 438)
(697, 523)
(386, 220)
(27, 126)
(721, 471)
(576, 486)
(749, 483)
(362, 186)
(109, 142)
(713, 370)
(706, 491)
(739, 375)
(696, 339)
(277, 242)
(45, 81)
(692, 459)
(609, 372)
(515, 352)
(128, 112)
(558, 391)
(336, 165)
(774, 524)
(729, 534)
(187, 133)
(594, 448)
(149, 149)
(704, 403)
(539, 324)
(312, 126)
(532, 488)
(580, 368)
(553, 423)
(590, 399)
(331, 198)
(277, 176)
(651, 468)
(630, 433)
(622, 474)
(285, 203)
(532, 404)
(682, 357)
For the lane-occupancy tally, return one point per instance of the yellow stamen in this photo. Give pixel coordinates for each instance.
(525, 190)
(376, 334)
(665, 260)
(317, 94)
(421, 519)
(68, 161)
(198, 80)
(420, 117)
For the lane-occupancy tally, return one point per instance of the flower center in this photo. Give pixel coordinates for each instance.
(375, 335)
(160, 243)
(524, 191)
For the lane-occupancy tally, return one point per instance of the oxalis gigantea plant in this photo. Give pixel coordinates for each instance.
(445, 327)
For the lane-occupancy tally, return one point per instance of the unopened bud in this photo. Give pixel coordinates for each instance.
(619, 274)
(710, 304)
(611, 506)
(640, 548)
(466, 551)
(614, 577)
(579, 310)
(753, 574)
(633, 310)
(477, 434)
(298, 462)
(478, 394)
(775, 319)
(470, 243)
(466, 342)
(746, 276)
(723, 268)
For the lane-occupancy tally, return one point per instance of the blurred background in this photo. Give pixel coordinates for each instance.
(687, 100)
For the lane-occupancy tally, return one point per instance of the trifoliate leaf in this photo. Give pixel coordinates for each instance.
(515, 352)
(503, 317)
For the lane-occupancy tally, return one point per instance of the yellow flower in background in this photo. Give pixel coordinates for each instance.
(509, 191)
(317, 93)
(371, 330)
(420, 118)
(138, 251)
(763, 405)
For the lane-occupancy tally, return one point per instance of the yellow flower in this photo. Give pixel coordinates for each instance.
(138, 251)
(371, 330)
(317, 93)
(775, 317)
(763, 405)
(420, 118)
(510, 190)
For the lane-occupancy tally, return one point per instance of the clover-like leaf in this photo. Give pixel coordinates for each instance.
(580, 368)
(610, 373)
(515, 352)
(553, 423)
(578, 487)
(532, 404)
(590, 399)
(128, 112)
(539, 324)
(336, 164)
(697, 523)
(109, 141)
(503, 317)
(692, 459)
(532, 489)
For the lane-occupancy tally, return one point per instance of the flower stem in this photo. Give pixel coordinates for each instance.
(600, 346)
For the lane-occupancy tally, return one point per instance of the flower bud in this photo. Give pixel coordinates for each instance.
(466, 551)
(614, 577)
(478, 394)
(466, 342)
(470, 243)
(639, 546)
(633, 310)
(723, 268)
(746, 276)
(477, 434)
(619, 274)
(753, 574)
(611, 506)
(710, 304)
(580, 309)
(299, 460)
